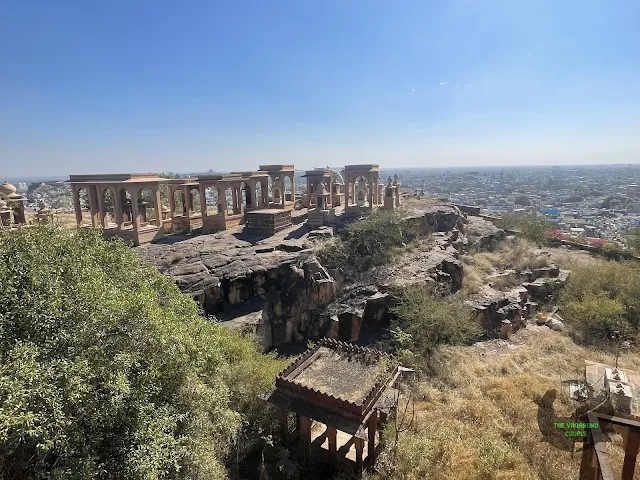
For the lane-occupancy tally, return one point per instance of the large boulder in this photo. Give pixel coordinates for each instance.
(482, 234)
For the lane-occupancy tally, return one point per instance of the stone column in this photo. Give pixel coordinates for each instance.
(135, 215)
(309, 190)
(93, 205)
(284, 423)
(332, 437)
(117, 206)
(172, 201)
(331, 193)
(203, 201)
(223, 201)
(372, 191)
(76, 205)
(354, 200)
(234, 203)
(305, 434)
(359, 444)
(158, 205)
(293, 189)
(186, 199)
(101, 212)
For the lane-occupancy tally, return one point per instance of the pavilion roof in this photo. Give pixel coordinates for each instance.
(111, 178)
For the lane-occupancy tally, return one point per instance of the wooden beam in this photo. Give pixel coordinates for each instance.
(630, 454)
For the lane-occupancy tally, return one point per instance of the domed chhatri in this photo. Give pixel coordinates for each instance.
(7, 189)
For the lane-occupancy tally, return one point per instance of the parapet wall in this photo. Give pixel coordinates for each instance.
(356, 410)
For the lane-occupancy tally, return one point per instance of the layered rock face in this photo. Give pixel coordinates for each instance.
(278, 289)
(493, 307)
(233, 279)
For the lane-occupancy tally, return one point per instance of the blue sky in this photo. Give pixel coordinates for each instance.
(115, 86)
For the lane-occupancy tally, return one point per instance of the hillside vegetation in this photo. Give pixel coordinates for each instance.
(107, 371)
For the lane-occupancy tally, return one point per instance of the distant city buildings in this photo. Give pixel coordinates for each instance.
(590, 201)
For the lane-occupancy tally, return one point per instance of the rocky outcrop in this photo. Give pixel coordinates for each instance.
(482, 234)
(360, 307)
(544, 288)
(278, 289)
(493, 308)
(438, 218)
(295, 312)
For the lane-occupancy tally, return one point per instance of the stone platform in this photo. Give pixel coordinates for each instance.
(268, 221)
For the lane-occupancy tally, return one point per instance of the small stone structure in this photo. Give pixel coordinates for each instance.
(622, 388)
(280, 175)
(268, 221)
(389, 196)
(118, 206)
(6, 214)
(14, 202)
(44, 214)
(323, 213)
(396, 185)
(362, 188)
(341, 395)
(333, 184)
(183, 192)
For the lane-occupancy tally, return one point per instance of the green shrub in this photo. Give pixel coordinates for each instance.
(107, 371)
(369, 242)
(602, 298)
(531, 227)
(426, 318)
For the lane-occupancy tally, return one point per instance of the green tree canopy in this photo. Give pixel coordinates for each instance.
(107, 371)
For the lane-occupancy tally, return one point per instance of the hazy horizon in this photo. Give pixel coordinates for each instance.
(58, 177)
(146, 86)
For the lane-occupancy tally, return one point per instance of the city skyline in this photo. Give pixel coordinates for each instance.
(151, 87)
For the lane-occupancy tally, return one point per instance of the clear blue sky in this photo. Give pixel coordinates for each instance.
(109, 86)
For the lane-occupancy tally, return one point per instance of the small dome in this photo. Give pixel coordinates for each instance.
(7, 189)
(321, 189)
(3, 204)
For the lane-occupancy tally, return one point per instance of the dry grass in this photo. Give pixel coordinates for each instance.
(476, 418)
(517, 254)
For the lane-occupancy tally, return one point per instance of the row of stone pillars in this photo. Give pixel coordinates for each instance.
(97, 207)
(374, 421)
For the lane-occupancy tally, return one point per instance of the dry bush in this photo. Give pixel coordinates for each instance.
(472, 281)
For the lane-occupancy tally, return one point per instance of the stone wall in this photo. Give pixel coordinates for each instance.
(268, 222)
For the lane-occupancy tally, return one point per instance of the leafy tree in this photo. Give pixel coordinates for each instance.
(426, 318)
(107, 371)
(522, 200)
